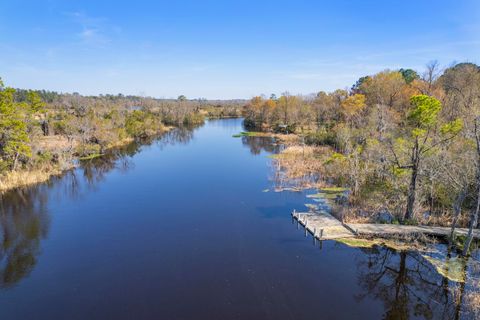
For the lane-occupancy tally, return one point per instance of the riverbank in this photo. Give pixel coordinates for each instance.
(28, 177)
(363, 220)
(24, 178)
(321, 167)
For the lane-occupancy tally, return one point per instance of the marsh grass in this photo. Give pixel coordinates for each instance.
(250, 134)
(17, 179)
(91, 156)
(400, 242)
(301, 165)
(358, 242)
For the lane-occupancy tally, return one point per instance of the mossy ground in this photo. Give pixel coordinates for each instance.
(451, 268)
(327, 193)
(249, 134)
(393, 244)
(91, 156)
(358, 242)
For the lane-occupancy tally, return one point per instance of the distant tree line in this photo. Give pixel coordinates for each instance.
(46, 130)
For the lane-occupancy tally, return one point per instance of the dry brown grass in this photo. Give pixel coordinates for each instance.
(16, 179)
(54, 143)
(442, 220)
(287, 139)
(351, 215)
(120, 143)
(301, 165)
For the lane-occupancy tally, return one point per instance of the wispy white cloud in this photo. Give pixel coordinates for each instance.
(96, 31)
(93, 36)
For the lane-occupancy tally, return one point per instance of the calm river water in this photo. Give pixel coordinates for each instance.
(182, 228)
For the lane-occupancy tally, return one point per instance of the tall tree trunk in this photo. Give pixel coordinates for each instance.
(15, 160)
(473, 220)
(399, 306)
(412, 189)
(474, 215)
(457, 209)
(45, 128)
(459, 302)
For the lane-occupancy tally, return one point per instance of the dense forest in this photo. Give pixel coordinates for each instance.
(406, 144)
(43, 133)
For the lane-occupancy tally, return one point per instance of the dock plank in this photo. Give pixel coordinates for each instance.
(388, 229)
(322, 225)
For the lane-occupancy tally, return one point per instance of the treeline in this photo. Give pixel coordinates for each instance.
(405, 144)
(44, 131)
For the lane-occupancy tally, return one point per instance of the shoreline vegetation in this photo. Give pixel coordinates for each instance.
(405, 145)
(44, 133)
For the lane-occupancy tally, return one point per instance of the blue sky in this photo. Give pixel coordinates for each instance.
(226, 49)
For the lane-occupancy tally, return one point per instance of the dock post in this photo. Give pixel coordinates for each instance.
(321, 233)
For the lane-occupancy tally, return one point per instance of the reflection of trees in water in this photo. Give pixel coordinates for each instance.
(281, 179)
(259, 144)
(182, 135)
(24, 216)
(24, 221)
(96, 170)
(279, 176)
(409, 286)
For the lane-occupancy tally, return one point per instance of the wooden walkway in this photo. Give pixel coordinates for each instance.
(322, 225)
(391, 229)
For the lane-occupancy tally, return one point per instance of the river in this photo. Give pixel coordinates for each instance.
(184, 228)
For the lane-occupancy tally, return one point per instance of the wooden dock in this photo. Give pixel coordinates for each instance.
(322, 225)
(394, 229)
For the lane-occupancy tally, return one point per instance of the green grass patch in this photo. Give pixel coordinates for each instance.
(91, 156)
(327, 193)
(358, 242)
(248, 134)
(370, 243)
(334, 189)
(321, 195)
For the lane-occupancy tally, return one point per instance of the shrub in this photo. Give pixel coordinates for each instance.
(321, 138)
